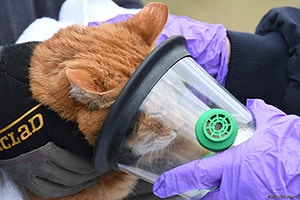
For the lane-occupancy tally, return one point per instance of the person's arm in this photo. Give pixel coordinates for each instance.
(257, 67)
(266, 64)
(263, 65)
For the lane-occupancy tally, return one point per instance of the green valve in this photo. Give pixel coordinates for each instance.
(216, 130)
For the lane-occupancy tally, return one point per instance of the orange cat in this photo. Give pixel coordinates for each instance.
(79, 72)
(85, 69)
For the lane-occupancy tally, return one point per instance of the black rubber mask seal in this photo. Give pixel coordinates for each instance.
(122, 114)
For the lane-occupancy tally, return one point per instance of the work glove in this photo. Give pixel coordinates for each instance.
(207, 43)
(38, 149)
(50, 171)
(267, 166)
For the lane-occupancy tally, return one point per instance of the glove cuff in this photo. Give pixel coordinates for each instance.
(257, 67)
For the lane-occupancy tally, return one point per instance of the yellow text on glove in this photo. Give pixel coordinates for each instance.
(21, 129)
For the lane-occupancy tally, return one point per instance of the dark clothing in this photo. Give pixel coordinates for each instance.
(266, 64)
(16, 15)
(129, 3)
(257, 67)
(25, 125)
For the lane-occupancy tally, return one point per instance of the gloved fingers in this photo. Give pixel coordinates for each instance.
(199, 174)
(48, 171)
(205, 42)
(69, 161)
(52, 163)
(270, 117)
(47, 189)
(56, 174)
(53, 154)
(263, 113)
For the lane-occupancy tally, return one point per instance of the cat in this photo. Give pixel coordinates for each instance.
(79, 72)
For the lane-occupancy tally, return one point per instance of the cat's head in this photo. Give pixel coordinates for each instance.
(80, 71)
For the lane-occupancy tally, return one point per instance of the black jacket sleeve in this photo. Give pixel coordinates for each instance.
(266, 64)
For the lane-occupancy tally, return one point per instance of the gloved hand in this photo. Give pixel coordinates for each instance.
(38, 149)
(266, 166)
(207, 43)
(51, 171)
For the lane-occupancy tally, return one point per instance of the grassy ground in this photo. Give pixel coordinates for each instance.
(239, 15)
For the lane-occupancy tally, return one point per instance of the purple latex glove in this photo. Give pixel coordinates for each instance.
(205, 42)
(267, 166)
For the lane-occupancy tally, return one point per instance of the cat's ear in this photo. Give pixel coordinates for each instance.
(85, 90)
(149, 22)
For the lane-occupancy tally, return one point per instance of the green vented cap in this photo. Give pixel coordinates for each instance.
(216, 129)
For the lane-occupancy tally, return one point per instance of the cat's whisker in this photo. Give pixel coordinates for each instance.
(140, 160)
(152, 151)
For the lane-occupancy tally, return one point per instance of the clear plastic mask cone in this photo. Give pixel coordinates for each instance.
(170, 95)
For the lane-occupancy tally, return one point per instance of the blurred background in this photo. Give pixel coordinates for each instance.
(239, 15)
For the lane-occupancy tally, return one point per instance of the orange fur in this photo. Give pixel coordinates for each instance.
(102, 57)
